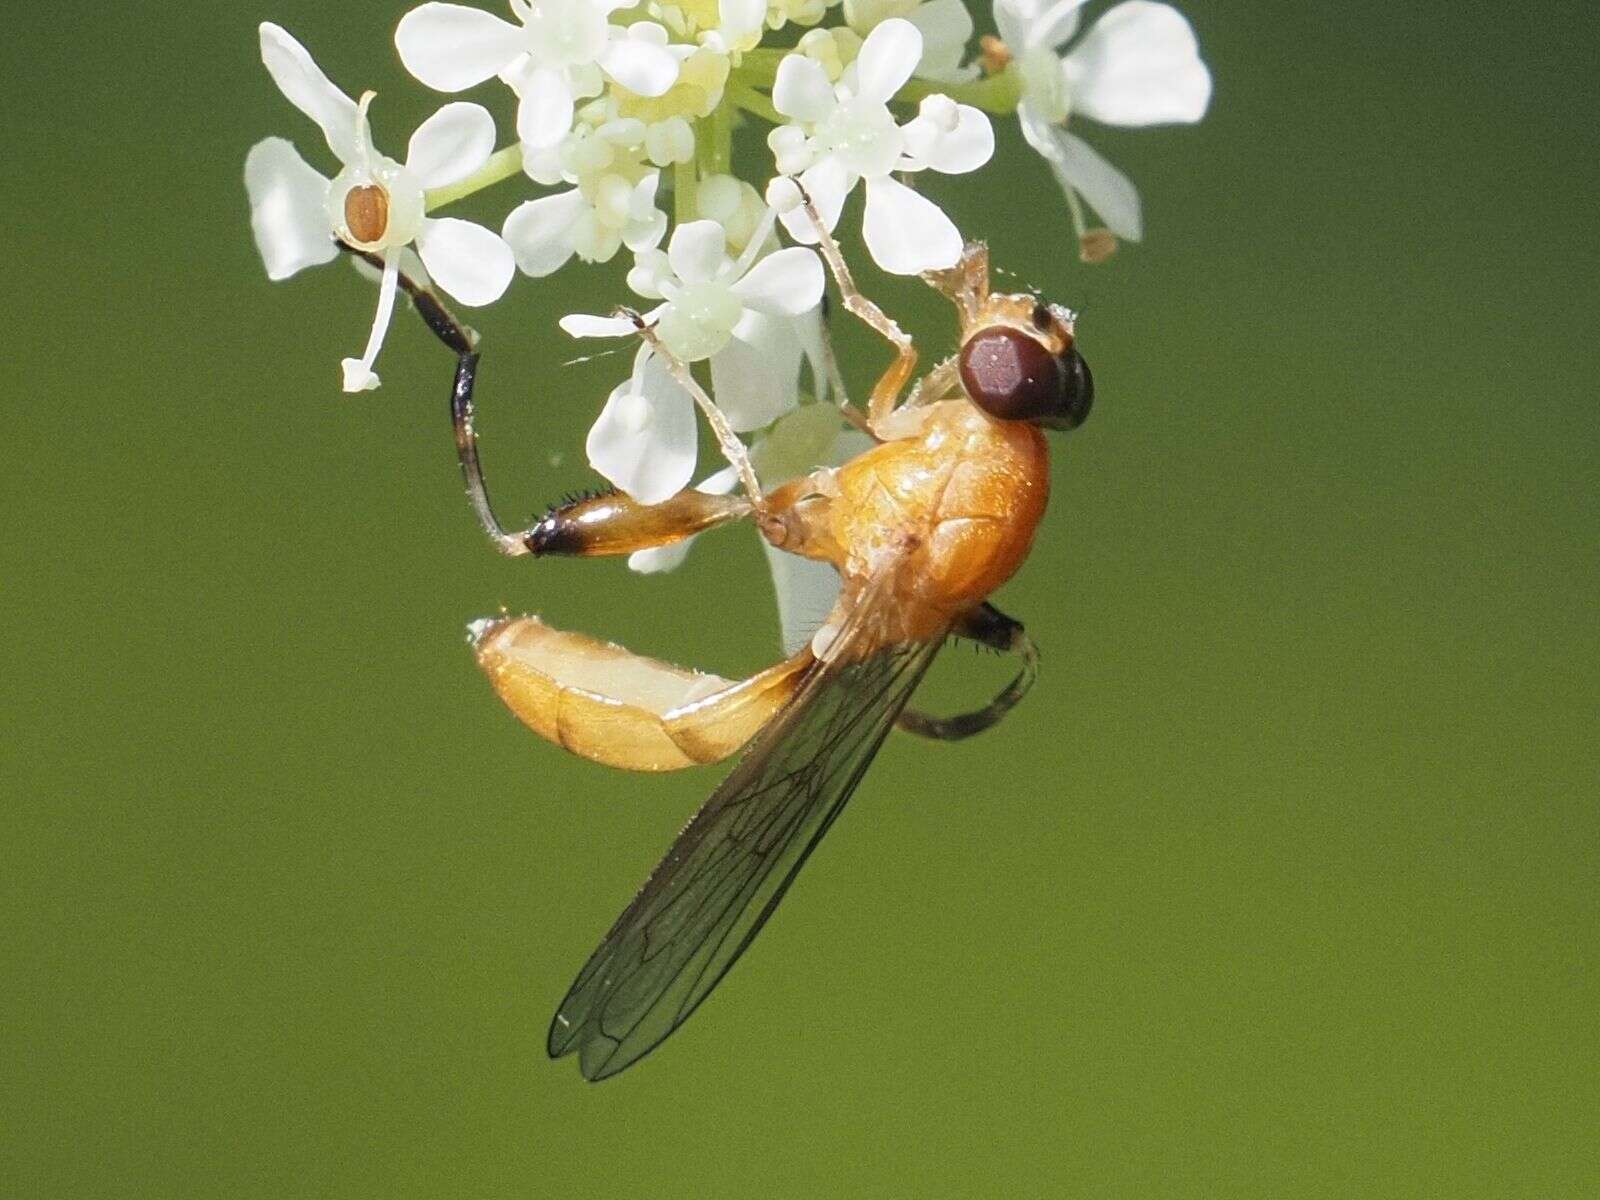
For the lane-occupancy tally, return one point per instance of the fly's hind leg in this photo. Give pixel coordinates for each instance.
(613, 523)
(893, 381)
(990, 627)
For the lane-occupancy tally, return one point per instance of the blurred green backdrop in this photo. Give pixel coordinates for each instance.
(1283, 883)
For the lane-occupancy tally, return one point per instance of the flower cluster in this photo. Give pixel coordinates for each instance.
(625, 117)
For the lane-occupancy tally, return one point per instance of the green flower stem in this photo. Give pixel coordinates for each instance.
(753, 102)
(502, 164)
(722, 138)
(995, 94)
(761, 64)
(683, 185)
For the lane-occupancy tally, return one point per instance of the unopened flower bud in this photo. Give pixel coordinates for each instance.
(669, 141)
(784, 194)
(942, 111)
(790, 149)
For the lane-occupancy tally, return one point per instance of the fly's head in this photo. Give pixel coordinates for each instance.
(1019, 359)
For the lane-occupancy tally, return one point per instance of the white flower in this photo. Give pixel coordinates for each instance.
(1139, 65)
(645, 440)
(707, 296)
(945, 25)
(375, 203)
(557, 56)
(798, 12)
(739, 26)
(843, 133)
(613, 204)
(754, 323)
(736, 206)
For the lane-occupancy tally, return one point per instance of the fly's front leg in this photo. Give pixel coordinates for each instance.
(834, 376)
(888, 388)
(990, 627)
(938, 384)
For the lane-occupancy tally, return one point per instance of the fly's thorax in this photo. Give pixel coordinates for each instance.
(956, 506)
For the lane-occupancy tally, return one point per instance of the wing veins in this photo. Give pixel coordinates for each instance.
(669, 948)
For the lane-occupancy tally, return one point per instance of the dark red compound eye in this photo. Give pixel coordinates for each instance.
(1013, 377)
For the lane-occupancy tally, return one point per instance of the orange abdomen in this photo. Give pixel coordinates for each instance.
(962, 500)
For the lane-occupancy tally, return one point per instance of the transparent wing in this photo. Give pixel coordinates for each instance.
(715, 889)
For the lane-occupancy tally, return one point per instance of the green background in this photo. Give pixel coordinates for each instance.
(1283, 882)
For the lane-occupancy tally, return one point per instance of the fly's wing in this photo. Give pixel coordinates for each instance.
(710, 896)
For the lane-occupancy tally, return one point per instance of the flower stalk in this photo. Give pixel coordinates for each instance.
(503, 164)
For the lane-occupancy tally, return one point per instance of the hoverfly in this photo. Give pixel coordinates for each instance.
(921, 527)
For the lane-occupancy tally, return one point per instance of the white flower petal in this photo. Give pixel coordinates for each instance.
(451, 144)
(1052, 25)
(306, 87)
(470, 262)
(812, 335)
(756, 376)
(738, 19)
(645, 439)
(942, 21)
(586, 325)
(828, 184)
(907, 233)
(356, 376)
(946, 28)
(1011, 18)
(1139, 65)
(1078, 166)
(785, 283)
(358, 373)
(802, 91)
(450, 47)
(697, 250)
(639, 65)
(806, 591)
(719, 483)
(659, 559)
(669, 558)
(888, 57)
(539, 232)
(287, 213)
(545, 115)
(965, 148)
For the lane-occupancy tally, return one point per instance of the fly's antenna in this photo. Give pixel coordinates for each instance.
(463, 341)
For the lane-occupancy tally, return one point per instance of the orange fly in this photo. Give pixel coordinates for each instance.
(922, 528)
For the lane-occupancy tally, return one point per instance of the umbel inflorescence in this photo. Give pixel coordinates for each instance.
(625, 120)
